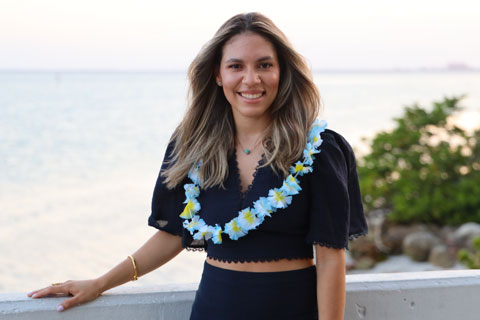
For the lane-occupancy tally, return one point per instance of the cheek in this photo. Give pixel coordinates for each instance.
(274, 81)
(229, 82)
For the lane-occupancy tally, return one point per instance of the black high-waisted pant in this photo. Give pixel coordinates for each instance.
(230, 295)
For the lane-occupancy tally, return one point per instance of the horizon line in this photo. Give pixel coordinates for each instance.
(166, 70)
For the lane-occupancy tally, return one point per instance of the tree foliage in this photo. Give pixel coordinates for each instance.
(427, 169)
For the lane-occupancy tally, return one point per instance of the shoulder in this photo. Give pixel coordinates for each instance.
(333, 141)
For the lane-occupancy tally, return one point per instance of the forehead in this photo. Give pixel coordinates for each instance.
(247, 46)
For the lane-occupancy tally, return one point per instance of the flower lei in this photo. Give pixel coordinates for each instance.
(249, 218)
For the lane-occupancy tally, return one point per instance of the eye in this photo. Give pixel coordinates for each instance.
(234, 66)
(266, 65)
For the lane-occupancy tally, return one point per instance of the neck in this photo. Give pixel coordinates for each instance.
(249, 131)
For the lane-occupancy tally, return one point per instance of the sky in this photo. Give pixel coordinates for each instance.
(166, 35)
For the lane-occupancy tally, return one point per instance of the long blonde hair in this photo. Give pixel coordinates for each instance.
(207, 131)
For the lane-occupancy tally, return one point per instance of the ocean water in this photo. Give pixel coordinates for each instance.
(80, 153)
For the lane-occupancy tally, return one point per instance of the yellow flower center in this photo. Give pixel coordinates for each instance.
(249, 217)
(298, 167)
(236, 227)
(279, 196)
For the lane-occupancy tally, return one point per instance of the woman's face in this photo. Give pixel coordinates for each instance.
(249, 72)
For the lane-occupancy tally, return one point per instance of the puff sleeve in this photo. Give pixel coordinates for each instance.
(167, 204)
(336, 211)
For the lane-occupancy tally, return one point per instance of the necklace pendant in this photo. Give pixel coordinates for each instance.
(247, 151)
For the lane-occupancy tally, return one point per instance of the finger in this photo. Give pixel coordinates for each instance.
(31, 293)
(69, 303)
(51, 290)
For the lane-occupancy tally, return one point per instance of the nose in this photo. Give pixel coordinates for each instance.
(251, 77)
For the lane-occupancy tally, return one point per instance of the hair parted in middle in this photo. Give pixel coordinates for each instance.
(207, 131)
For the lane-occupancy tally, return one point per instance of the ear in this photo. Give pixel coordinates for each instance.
(218, 77)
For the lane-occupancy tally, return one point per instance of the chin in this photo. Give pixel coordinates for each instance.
(252, 112)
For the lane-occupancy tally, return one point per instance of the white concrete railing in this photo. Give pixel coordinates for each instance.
(439, 295)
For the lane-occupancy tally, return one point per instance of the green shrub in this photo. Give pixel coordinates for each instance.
(471, 259)
(426, 169)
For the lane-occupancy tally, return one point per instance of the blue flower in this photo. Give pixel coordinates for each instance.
(308, 154)
(248, 220)
(278, 198)
(300, 168)
(191, 190)
(290, 186)
(217, 234)
(263, 207)
(194, 175)
(205, 232)
(195, 224)
(234, 230)
(317, 128)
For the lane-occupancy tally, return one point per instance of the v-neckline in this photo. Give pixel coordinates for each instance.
(243, 194)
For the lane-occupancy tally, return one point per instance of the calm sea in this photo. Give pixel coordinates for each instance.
(80, 153)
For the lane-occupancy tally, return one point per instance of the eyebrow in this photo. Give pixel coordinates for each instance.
(258, 60)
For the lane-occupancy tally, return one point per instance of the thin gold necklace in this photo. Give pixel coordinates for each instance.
(247, 151)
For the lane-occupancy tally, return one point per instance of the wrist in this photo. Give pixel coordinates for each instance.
(101, 284)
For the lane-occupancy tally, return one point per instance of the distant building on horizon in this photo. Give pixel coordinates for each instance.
(459, 66)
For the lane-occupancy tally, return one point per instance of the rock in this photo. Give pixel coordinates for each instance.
(364, 263)
(447, 234)
(392, 237)
(363, 247)
(418, 245)
(465, 234)
(441, 257)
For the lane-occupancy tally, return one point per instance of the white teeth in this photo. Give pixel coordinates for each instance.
(251, 96)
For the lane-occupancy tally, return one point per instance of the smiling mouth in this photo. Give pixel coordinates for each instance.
(251, 96)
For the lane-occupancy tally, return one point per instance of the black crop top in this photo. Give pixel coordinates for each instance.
(328, 210)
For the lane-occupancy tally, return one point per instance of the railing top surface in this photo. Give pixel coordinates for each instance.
(412, 276)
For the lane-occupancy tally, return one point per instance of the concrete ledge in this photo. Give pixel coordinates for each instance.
(438, 295)
(167, 302)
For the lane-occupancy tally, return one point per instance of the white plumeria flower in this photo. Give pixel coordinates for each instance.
(248, 220)
(205, 232)
(191, 190)
(263, 207)
(234, 230)
(195, 224)
(278, 198)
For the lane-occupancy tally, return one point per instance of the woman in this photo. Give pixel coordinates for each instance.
(252, 178)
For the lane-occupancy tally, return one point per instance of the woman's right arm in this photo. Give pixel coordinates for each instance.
(158, 250)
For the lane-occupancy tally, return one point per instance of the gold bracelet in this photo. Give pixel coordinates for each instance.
(135, 276)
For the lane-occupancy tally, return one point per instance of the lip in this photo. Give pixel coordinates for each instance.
(251, 92)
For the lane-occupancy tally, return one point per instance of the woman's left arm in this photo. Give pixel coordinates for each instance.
(330, 264)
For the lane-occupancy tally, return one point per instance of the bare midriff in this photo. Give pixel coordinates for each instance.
(263, 266)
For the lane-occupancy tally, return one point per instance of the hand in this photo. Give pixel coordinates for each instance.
(82, 291)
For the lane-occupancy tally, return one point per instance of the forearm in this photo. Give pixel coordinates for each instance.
(331, 287)
(157, 251)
